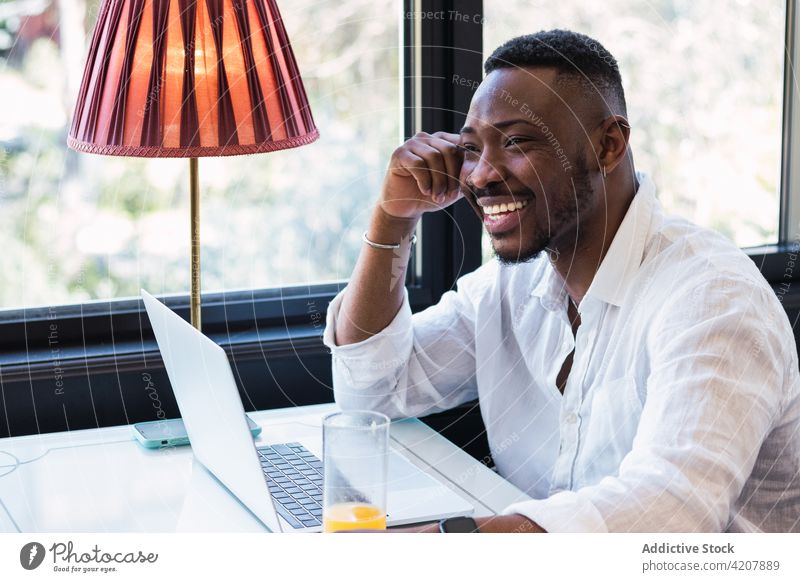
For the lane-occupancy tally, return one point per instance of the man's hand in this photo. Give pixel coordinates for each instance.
(422, 175)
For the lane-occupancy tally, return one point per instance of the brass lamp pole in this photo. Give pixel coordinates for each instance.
(194, 211)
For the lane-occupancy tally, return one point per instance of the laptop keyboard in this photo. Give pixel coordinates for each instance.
(294, 475)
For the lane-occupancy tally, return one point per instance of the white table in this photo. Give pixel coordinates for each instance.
(103, 480)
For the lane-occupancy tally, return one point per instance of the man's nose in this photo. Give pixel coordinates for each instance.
(486, 171)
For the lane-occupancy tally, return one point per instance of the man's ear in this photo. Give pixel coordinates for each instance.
(614, 135)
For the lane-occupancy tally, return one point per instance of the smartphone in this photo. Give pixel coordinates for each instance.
(171, 433)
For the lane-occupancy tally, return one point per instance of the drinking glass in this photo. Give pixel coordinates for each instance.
(355, 459)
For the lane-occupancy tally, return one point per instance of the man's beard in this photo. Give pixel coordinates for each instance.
(563, 210)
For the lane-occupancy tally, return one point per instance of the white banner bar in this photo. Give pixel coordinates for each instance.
(329, 557)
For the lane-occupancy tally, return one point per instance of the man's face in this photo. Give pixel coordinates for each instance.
(526, 148)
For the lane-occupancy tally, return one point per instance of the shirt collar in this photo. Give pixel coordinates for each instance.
(621, 262)
(624, 256)
(550, 289)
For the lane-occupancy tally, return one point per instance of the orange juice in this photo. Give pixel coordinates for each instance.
(343, 516)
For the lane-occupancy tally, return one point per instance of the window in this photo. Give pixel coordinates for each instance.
(77, 227)
(704, 87)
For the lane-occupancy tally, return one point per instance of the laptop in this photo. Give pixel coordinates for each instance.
(279, 483)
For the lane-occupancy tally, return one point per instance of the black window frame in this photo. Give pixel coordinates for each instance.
(112, 340)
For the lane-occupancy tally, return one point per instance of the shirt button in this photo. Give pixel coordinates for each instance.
(571, 418)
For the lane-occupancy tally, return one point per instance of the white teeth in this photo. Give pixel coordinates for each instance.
(499, 208)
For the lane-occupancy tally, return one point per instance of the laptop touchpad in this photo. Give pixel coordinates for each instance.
(404, 475)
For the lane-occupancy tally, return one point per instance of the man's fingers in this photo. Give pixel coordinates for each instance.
(450, 144)
(453, 138)
(436, 165)
(411, 164)
(453, 158)
(434, 161)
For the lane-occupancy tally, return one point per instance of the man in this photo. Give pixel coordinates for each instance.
(635, 372)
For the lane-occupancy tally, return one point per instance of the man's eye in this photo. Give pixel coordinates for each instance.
(515, 141)
(469, 147)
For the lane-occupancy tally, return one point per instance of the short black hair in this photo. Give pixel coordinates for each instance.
(577, 57)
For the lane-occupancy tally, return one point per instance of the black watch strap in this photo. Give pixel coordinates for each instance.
(458, 525)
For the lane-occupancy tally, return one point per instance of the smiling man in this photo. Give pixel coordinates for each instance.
(634, 371)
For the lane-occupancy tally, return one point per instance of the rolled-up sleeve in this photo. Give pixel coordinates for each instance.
(418, 364)
(716, 388)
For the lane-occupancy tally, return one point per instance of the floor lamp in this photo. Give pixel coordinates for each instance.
(190, 79)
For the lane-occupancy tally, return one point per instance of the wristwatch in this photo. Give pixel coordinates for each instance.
(458, 525)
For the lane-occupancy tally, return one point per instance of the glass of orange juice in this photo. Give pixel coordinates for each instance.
(355, 460)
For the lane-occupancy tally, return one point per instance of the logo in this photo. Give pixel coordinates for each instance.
(31, 555)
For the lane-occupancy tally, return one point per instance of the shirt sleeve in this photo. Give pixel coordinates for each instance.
(419, 364)
(720, 359)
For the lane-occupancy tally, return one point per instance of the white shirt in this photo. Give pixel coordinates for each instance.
(682, 407)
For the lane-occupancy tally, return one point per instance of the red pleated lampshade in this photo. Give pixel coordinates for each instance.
(190, 78)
